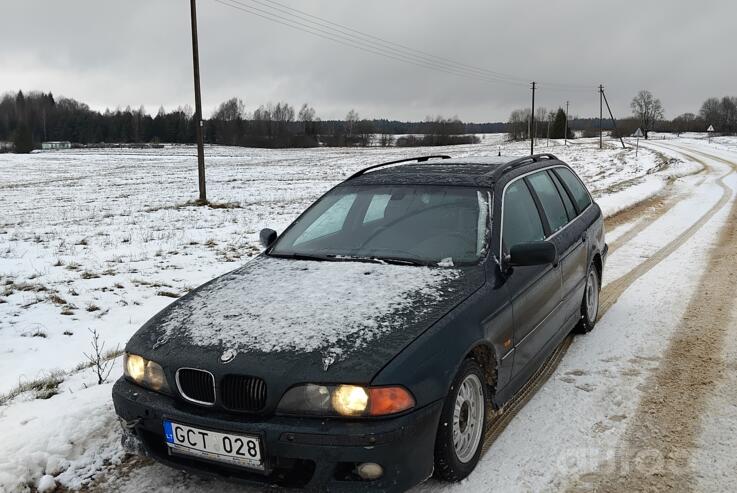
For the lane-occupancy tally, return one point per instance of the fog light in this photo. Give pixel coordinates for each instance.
(369, 471)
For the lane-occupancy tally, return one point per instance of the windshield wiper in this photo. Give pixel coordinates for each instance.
(382, 260)
(302, 256)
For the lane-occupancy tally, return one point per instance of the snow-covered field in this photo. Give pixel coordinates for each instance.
(102, 240)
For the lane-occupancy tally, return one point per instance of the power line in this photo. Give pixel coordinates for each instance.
(408, 48)
(356, 43)
(348, 30)
(341, 34)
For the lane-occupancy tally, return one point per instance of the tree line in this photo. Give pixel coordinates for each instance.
(647, 115)
(29, 119)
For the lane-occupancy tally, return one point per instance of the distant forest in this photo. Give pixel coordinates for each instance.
(27, 120)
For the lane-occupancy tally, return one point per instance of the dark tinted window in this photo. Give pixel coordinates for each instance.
(550, 199)
(570, 209)
(521, 220)
(580, 195)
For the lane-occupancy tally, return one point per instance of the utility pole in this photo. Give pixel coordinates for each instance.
(566, 134)
(601, 116)
(547, 142)
(198, 107)
(532, 120)
(614, 122)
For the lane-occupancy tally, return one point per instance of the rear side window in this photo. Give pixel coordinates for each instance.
(521, 223)
(579, 192)
(570, 209)
(550, 199)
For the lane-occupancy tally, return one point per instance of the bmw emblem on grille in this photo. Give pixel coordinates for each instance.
(227, 356)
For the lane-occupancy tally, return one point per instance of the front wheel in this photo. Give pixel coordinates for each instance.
(462, 425)
(590, 303)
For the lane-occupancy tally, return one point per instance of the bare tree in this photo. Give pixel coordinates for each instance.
(100, 362)
(231, 110)
(519, 124)
(647, 109)
(386, 139)
(350, 120)
(307, 116)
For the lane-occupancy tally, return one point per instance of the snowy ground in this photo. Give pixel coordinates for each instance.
(95, 240)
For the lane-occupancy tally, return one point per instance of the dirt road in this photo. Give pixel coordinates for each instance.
(655, 454)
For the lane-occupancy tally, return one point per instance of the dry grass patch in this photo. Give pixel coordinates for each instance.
(168, 294)
(41, 388)
(56, 299)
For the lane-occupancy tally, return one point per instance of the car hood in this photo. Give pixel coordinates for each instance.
(304, 320)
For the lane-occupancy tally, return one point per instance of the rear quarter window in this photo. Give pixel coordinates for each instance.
(578, 190)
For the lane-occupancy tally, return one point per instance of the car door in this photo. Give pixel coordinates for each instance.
(569, 240)
(534, 290)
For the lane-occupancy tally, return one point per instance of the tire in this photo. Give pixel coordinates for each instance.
(453, 460)
(590, 302)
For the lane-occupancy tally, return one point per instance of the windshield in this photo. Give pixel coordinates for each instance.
(429, 225)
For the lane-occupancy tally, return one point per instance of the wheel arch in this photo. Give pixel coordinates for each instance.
(483, 353)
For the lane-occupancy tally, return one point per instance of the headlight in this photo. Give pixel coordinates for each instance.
(345, 400)
(145, 373)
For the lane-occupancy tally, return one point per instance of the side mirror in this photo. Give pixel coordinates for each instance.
(533, 253)
(267, 237)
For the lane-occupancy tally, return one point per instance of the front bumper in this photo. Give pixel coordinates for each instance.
(312, 453)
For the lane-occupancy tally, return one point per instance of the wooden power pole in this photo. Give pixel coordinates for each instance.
(566, 133)
(532, 121)
(601, 116)
(198, 107)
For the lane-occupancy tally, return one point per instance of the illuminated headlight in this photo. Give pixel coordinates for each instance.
(345, 400)
(145, 373)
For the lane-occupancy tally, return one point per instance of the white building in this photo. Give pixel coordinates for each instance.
(61, 144)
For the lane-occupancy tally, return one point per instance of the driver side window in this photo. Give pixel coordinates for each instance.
(521, 222)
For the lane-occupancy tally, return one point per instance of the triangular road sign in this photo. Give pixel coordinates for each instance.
(638, 133)
(710, 129)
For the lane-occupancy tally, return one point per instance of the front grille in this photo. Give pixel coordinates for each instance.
(196, 385)
(243, 393)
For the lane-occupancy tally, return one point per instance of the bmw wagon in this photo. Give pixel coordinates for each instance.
(370, 344)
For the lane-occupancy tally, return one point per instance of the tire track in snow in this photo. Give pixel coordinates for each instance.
(611, 293)
(664, 430)
(646, 212)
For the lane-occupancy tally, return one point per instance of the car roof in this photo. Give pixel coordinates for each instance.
(475, 171)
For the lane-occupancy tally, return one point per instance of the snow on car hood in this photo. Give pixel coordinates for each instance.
(277, 305)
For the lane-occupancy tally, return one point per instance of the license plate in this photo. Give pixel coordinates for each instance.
(240, 450)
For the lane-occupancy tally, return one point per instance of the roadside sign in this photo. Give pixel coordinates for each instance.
(710, 129)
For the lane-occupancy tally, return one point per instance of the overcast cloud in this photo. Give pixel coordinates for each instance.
(138, 52)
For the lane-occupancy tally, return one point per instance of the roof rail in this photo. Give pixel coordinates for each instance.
(419, 159)
(524, 160)
(530, 159)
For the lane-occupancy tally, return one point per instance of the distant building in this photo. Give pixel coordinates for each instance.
(60, 144)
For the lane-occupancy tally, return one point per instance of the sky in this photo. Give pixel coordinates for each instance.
(113, 54)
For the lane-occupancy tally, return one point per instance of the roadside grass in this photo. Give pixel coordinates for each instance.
(41, 388)
(47, 386)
